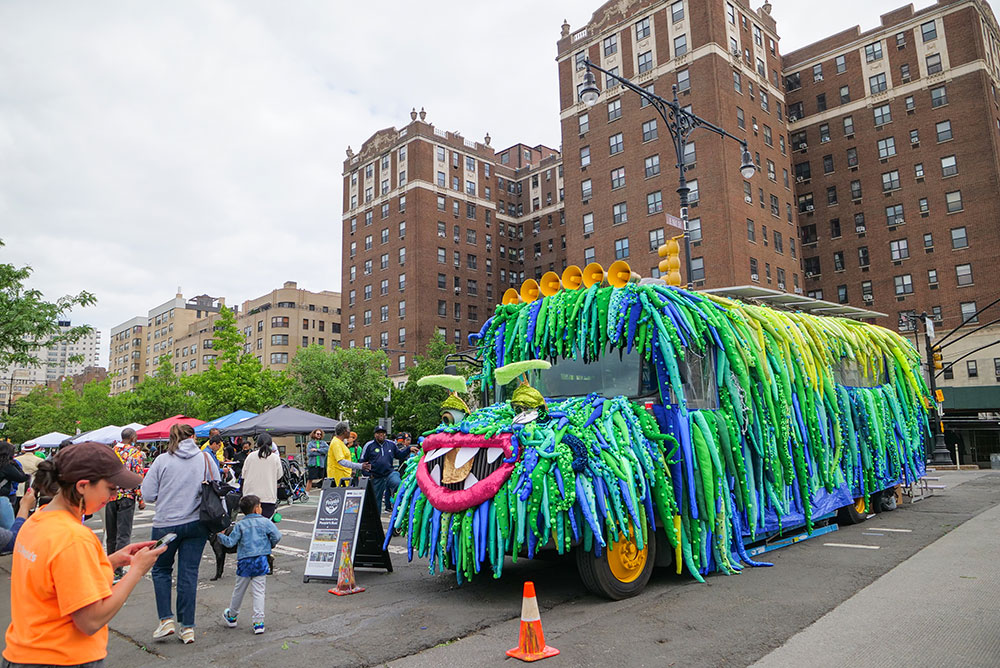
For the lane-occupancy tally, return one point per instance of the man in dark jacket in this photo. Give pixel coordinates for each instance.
(382, 455)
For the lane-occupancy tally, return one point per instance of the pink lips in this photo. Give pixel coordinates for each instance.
(453, 501)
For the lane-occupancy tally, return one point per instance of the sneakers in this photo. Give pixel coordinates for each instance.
(187, 635)
(258, 628)
(229, 618)
(166, 628)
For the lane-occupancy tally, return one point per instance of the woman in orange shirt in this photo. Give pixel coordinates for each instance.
(61, 590)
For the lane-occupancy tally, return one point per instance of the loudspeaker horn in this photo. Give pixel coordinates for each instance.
(593, 274)
(620, 274)
(550, 283)
(529, 290)
(511, 297)
(572, 277)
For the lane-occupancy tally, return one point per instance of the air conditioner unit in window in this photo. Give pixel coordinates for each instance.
(748, 199)
(803, 146)
(736, 53)
(755, 128)
(810, 274)
(800, 179)
(781, 286)
(754, 277)
(824, 140)
(900, 222)
(809, 207)
(860, 229)
(869, 298)
(458, 291)
(792, 118)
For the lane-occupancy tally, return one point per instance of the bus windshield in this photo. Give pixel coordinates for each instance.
(610, 376)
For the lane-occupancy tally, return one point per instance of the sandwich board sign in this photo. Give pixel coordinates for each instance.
(345, 514)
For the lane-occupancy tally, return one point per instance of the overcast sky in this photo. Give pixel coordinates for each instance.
(146, 146)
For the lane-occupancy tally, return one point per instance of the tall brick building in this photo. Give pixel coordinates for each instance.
(620, 163)
(436, 228)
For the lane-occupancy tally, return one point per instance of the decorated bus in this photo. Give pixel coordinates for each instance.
(636, 424)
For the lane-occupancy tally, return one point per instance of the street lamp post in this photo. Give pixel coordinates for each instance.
(680, 123)
(939, 454)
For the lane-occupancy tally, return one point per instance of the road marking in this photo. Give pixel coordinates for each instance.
(297, 534)
(856, 547)
(289, 519)
(869, 533)
(397, 549)
(289, 551)
(894, 530)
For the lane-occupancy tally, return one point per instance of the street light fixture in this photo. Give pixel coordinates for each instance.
(680, 123)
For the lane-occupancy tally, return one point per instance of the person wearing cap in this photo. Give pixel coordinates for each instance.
(381, 454)
(120, 512)
(62, 596)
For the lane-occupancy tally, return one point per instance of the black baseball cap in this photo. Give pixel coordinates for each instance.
(379, 429)
(94, 461)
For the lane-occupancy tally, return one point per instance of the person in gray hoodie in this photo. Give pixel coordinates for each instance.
(173, 483)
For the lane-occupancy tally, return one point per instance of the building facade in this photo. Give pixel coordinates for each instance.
(54, 363)
(127, 359)
(895, 134)
(620, 162)
(436, 227)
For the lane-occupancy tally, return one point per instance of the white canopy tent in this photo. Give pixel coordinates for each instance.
(50, 440)
(134, 425)
(107, 435)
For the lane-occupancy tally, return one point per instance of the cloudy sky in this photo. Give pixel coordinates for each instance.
(146, 146)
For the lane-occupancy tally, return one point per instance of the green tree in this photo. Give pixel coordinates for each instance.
(418, 409)
(348, 383)
(32, 415)
(158, 396)
(66, 410)
(29, 322)
(237, 380)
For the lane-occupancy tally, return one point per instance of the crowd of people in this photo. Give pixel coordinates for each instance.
(66, 586)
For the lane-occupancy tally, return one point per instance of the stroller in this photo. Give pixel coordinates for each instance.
(291, 487)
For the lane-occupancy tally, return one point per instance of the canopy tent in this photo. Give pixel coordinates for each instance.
(160, 431)
(280, 421)
(201, 431)
(134, 425)
(107, 435)
(49, 440)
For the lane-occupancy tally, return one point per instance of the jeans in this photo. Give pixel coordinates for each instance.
(188, 548)
(118, 516)
(6, 513)
(384, 487)
(257, 584)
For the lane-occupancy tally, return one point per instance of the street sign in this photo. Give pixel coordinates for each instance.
(674, 221)
(939, 395)
(929, 325)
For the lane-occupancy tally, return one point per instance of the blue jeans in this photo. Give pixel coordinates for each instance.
(6, 513)
(384, 487)
(188, 548)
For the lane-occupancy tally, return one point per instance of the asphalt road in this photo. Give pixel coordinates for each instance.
(410, 618)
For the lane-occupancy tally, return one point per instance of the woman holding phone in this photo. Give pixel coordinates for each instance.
(62, 596)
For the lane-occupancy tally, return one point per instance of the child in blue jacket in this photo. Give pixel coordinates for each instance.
(253, 536)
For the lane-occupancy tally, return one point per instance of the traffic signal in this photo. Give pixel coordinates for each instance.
(670, 265)
(937, 359)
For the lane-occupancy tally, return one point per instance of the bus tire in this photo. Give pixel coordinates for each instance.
(853, 514)
(619, 573)
(887, 500)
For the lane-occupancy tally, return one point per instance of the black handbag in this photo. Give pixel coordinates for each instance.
(213, 513)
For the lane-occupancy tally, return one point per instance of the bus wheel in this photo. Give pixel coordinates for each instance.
(887, 500)
(621, 571)
(854, 514)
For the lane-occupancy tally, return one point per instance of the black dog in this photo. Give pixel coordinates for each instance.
(220, 550)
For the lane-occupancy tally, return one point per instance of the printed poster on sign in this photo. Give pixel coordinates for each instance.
(337, 519)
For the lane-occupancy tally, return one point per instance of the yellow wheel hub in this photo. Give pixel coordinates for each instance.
(626, 560)
(859, 505)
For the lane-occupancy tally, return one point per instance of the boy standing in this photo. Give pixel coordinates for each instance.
(254, 537)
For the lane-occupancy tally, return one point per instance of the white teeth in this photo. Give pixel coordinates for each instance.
(492, 454)
(464, 456)
(436, 474)
(470, 480)
(434, 454)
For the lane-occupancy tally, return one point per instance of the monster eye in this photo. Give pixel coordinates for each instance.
(452, 416)
(524, 417)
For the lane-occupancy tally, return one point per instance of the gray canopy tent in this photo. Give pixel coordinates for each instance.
(280, 421)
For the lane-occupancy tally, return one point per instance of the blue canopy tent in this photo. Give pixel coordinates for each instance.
(201, 431)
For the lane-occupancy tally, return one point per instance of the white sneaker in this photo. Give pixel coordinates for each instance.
(166, 628)
(187, 635)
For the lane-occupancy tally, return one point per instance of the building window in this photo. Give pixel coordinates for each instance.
(588, 223)
(621, 248)
(617, 178)
(584, 156)
(852, 157)
(279, 358)
(649, 130)
(620, 213)
(680, 45)
(972, 368)
(841, 64)
(279, 321)
(610, 45)
(959, 238)
(903, 284)
(279, 339)
(886, 147)
(588, 255)
(676, 11)
(968, 311)
(683, 80)
(939, 97)
(877, 83)
(614, 110)
(848, 125)
(963, 273)
(645, 61)
(737, 82)
(934, 63)
(751, 231)
(586, 189)
(899, 249)
(894, 215)
(949, 166)
(693, 195)
(923, 204)
(943, 130)
(654, 202)
(838, 261)
(845, 94)
(953, 201)
(928, 31)
(890, 181)
(932, 277)
(863, 258)
(883, 115)
(873, 52)
(697, 269)
(694, 229)
(642, 29)
(652, 165)
(616, 143)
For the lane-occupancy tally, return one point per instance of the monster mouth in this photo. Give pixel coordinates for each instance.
(459, 471)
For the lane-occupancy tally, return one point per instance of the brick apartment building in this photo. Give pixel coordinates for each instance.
(620, 164)
(436, 227)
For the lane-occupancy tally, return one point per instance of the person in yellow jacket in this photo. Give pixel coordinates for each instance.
(338, 459)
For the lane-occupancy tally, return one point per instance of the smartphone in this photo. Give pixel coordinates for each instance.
(164, 540)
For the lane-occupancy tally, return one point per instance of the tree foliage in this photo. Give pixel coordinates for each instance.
(29, 322)
(237, 380)
(158, 396)
(418, 409)
(347, 383)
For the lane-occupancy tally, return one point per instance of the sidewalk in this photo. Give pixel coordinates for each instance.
(940, 607)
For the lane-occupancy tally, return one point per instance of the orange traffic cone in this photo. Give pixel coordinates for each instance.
(531, 646)
(345, 575)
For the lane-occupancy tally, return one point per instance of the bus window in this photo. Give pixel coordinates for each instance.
(610, 376)
(698, 378)
(851, 374)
